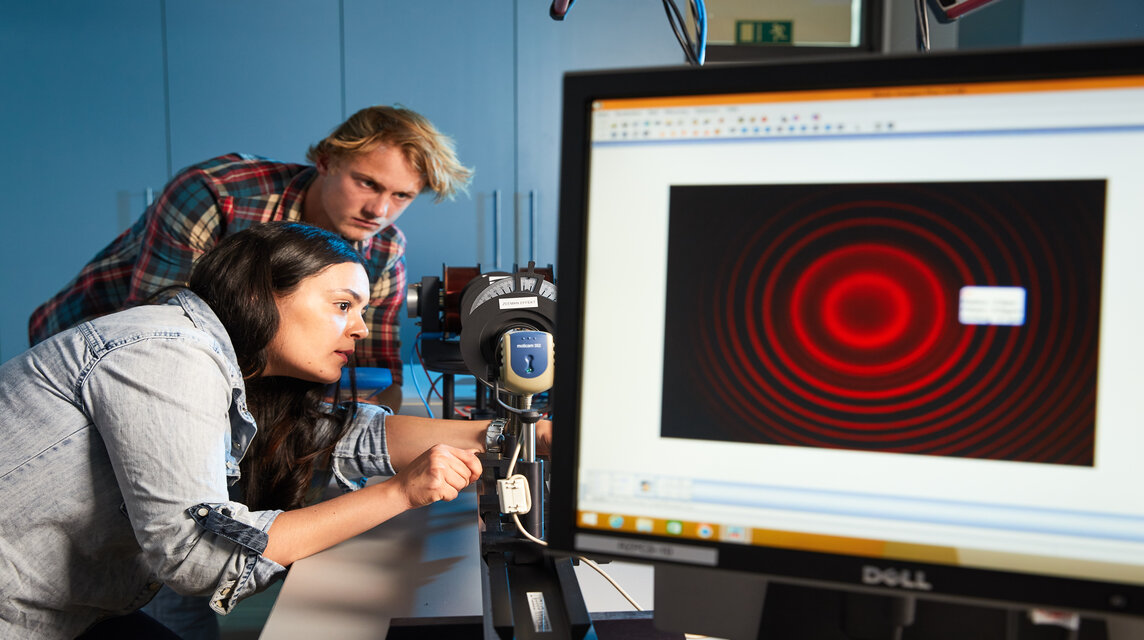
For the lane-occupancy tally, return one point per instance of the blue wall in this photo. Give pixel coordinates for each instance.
(1051, 22)
(101, 101)
(1068, 21)
(104, 101)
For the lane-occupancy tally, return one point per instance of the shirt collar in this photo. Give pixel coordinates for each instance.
(290, 206)
(205, 319)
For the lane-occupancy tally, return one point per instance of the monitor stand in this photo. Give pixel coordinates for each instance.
(1124, 628)
(717, 603)
(726, 604)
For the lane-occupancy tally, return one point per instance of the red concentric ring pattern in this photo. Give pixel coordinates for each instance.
(828, 316)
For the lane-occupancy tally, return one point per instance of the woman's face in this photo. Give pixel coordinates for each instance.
(319, 323)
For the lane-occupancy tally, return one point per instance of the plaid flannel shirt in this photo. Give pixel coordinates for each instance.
(200, 206)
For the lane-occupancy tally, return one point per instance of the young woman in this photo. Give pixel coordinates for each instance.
(175, 443)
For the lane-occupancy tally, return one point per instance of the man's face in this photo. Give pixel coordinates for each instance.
(360, 195)
(319, 323)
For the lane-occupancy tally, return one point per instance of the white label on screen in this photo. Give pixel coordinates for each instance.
(645, 549)
(992, 305)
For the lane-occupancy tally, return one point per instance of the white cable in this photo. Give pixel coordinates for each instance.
(613, 582)
(923, 30)
(520, 526)
(512, 464)
(628, 597)
(526, 534)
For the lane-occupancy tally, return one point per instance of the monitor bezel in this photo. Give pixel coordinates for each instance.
(996, 588)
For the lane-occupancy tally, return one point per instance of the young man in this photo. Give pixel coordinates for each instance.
(363, 176)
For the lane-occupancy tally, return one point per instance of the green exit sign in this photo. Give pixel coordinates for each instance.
(764, 32)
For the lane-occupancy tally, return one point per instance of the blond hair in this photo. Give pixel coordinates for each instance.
(426, 149)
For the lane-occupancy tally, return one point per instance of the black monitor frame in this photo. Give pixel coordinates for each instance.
(996, 588)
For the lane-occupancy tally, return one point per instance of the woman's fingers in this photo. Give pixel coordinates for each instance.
(439, 474)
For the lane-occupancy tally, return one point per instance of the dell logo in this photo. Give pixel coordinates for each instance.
(899, 578)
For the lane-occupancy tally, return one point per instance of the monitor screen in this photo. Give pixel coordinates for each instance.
(867, 323)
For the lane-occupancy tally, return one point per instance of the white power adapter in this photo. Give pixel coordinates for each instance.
(514, 494)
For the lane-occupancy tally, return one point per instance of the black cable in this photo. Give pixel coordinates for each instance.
(693, 50)
(675, 18)
(693, 10)
(669, 7)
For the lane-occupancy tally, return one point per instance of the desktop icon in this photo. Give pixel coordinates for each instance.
(589, 518)
(704, 530)
(644, 525)
(675, 527)
(738, 534)
(616, 522)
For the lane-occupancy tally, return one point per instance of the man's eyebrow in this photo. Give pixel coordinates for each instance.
(358, 175)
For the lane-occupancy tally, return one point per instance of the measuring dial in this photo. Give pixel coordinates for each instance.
(496, 304)
(503, 285)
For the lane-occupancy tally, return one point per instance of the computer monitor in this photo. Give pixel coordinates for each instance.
(867, 324)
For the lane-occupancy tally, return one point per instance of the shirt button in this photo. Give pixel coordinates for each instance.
(203, 511)
(153, 586)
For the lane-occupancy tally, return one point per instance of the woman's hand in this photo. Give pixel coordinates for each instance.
(440, 473)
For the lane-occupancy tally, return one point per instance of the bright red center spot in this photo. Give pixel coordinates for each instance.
(866, 310)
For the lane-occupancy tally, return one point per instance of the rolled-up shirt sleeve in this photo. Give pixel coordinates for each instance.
(363, 453)
(163, 412)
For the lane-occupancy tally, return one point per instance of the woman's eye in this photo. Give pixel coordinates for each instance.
(344, 306)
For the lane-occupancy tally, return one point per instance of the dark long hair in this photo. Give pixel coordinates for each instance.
(240, 279)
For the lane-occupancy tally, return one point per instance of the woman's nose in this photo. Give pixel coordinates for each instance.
(358, 328)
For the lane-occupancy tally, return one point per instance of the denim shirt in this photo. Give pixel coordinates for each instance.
(121, 437)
